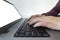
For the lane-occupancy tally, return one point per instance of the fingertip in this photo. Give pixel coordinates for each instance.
(36, 25)
(29, 23)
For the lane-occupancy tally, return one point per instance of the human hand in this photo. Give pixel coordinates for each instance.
(34, 16)
(45, 21)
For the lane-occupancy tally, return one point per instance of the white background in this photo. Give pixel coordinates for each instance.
(9, 14)
(32, 7)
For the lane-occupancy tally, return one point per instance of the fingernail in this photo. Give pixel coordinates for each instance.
(35, 26)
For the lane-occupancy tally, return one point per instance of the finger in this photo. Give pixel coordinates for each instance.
(33, 16)
(46, 24)
(39, 24)
(33, 21)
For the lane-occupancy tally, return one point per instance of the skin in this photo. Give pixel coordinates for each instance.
(48, 21)
(45, 21)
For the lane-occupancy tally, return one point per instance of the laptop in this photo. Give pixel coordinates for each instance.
(22, 30)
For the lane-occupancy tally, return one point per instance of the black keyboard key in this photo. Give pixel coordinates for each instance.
(21, 35)
(34, 34)
(27, 34)
(39, 33)
(25, 30)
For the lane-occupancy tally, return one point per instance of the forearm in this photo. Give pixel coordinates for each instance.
(55, 10)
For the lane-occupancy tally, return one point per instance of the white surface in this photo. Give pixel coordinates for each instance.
(32, 7)
(8, 13)
(27, 8)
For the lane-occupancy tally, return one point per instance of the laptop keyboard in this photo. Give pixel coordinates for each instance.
(25, 30)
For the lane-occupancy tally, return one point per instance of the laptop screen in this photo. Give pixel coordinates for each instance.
(8, 13)
(31, 7)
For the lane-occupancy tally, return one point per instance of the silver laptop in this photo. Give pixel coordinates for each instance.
(26, 8)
